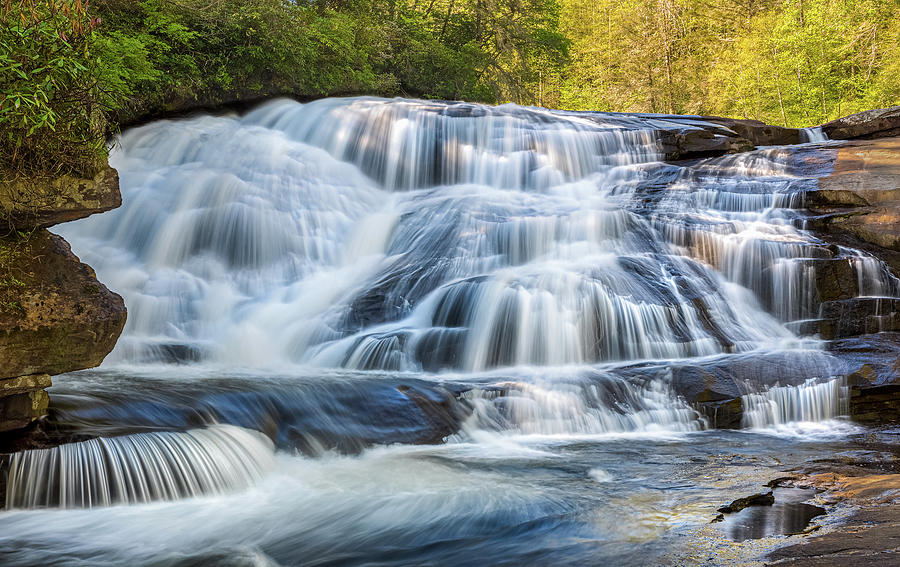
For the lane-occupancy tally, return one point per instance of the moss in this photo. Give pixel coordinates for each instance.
(16, 256)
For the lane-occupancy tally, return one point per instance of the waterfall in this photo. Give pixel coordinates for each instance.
(813, 401)
(432, 237)
(408, 235)
(474, 334)
(138, 468)
(813, 134)
(585, 407)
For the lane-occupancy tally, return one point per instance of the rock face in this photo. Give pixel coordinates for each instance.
(693, 143)
(869, 124)
(30, 204)
(22, 400)
(859, 203)
(65, 320)
(55, 316)
(759, 133)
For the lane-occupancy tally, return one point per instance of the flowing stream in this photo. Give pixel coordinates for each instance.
(397, 332)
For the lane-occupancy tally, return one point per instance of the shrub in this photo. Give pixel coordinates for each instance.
(51, 111)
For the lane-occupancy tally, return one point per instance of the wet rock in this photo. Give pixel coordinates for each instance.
(781, 518)
(875, 404)
(859, 316)
(28, 204)
(873, 363)
(715, 387)
(66, 320)
(760, 499)
(858, 204)
(760, 133)
(870, 537)
(876, 123)
(701, 142)
(299, 413)
(780, 481)
(835, 278)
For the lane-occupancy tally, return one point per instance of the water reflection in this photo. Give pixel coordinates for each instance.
(787, 516)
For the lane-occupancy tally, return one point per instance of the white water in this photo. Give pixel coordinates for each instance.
(411, 236)
(546, 268)
(813, 134)
(139, 468)
(813, 401)
(570, 408)
(405, 235)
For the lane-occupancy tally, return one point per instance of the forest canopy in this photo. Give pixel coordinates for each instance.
(70, 67)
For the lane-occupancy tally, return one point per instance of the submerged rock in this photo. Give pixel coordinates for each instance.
(761, 499)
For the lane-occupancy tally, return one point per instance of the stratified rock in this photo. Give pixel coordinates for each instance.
(759, 133)
(63, 319)
(27, 204)
(835, 278)
(877, 123)
(22, 400)
(858, 205)
(859, 316)
(693, 143)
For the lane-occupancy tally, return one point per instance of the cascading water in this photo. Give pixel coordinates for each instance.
(523, 290)
(813, 134)
(812, 401)
(138, 468)
(403, 235)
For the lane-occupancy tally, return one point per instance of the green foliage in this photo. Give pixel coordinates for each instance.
(52, 100)
(793, 62)
(245, 49)
(65, 67)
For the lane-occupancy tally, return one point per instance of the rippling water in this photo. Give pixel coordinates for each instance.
(395, 332)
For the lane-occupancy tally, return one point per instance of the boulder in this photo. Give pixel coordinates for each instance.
(691, 143)
(877, 123)
(33, 203)
(63, 319)
(55, 317)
